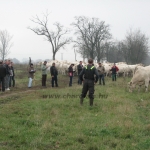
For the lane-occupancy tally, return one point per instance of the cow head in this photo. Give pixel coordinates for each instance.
(131, 86)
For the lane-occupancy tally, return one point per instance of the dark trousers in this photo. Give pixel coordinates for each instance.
(101, 78)
(7, 78)
(2, 83)
(79, 81)
(114, 77)
(88, 85)
(54, 80)
(70, 82)
(12, 80)
(44, 77)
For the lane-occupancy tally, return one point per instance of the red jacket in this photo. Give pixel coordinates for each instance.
(114, 69)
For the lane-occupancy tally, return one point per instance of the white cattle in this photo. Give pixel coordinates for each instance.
(107, 67)
(136, 68)
(141, 77)
(63, 66)
(132, 68)
(123, 69)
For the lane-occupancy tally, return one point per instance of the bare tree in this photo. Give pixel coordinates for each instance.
(5, 44)
(102, 36)
(113, 51)
(91, 33)
(85, 32)
(56, 38)
(135, 47)
(146, 61)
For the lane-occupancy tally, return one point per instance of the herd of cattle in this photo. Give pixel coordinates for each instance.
(140, 74)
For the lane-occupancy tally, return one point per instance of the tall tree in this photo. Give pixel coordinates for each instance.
(135, 47)
(90, 34)
(56, 38)
(102, 36)
(5, 44)
(114, 52)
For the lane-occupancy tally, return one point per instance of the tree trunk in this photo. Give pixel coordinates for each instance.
(54, 56)
(98, 56)
(75, 54)
(3, 58)
(91, 55)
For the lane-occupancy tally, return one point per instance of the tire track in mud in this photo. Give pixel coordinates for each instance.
(13, 96)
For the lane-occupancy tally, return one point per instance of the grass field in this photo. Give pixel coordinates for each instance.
(52, 118)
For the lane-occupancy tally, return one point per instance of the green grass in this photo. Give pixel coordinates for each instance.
(30, 122)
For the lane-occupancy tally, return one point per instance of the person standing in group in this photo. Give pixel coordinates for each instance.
(12, 75)
(90, 78)
(31, 72)
(0, 73)
(7, 77)
(2, 76)
(54, 73)
(101, 71)
(114, 70)
(44, 73)
(70, 71)
(79, 68)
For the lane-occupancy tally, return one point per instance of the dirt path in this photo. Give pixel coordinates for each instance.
(8, 94)
(16, 92)
(19, 91)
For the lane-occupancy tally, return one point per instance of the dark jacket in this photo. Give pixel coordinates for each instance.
(79, 68)
(53, 71)
(89, 71)
(31, 72)
(2, 71)
(7, 69)
(12, 73)
(70, 71)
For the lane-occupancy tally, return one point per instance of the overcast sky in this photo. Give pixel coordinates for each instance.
(15, 17)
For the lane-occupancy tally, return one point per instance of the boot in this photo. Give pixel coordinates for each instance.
(81, 101)
(14, 83)
(91, 102)
(103, 82)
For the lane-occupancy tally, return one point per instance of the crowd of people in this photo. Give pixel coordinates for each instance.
(7, 75)
(88, 76)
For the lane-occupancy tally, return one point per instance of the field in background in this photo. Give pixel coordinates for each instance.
(51, 118)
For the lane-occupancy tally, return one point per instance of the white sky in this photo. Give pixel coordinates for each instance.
(15, 17)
